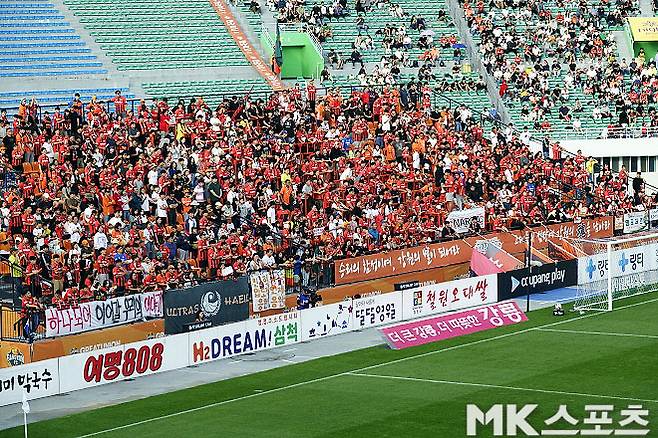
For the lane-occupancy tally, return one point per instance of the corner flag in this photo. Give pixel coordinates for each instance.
(26, 405)
(26, 410)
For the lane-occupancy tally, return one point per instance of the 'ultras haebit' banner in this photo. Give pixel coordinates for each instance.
(220, 301)
(244, 337)
(450, 296)
(543, 278)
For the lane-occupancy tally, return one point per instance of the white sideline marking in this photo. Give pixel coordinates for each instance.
(320, 379)
(514, 388)
(583, 332)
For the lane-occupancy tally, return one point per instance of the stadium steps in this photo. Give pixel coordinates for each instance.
(48, 99)
(143, 35)
(37, 41)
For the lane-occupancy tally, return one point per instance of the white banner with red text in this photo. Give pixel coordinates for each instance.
(122, 362)
(100, 314)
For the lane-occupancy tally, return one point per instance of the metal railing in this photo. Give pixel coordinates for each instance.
(464, 31)
(602, 133)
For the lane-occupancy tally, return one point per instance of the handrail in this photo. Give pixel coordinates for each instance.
(265, 31)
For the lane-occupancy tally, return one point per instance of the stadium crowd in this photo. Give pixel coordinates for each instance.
(543, 55)
(109, 203)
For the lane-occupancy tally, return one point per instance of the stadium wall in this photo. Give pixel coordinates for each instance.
(121, 362)
(300, 57)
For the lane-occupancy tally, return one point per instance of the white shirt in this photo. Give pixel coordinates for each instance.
(100, 240)
(346, 174)
(153, 177)
(161, 210)
(268, 261)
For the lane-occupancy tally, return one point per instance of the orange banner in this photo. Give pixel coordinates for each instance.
(89, 341)
(243, 43)
(459, 251)
(401, 261)
(384, 285)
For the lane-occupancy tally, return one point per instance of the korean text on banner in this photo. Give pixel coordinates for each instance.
(438, 255)
(624, 262)
(152, 304)
(636, 221)
(244, 337)
(452, 325)
(100, 314)
(122, 362)
(377, 310)
(329, 320)
(38, 379)
(449, 296)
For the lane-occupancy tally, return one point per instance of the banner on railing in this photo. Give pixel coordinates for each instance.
(636, 221)
(244, 337)
(653, 216)
(268, 290)
(100, 314)
(452, 325)
(449, 296)
(460, 220)
(220, 302)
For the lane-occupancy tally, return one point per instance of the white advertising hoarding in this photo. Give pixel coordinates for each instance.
(449, 296)
(623, 261)
(85, 370)
(377, 310)
(38, 379)
(244, 337)
(329, 320)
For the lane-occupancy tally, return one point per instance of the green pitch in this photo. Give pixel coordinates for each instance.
(598, 359)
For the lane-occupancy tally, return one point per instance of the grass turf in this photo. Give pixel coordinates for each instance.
(417, 392)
